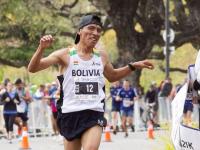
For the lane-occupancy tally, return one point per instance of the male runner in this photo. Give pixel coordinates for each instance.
(82, 69)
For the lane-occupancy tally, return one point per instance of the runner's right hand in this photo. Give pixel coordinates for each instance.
(46, 41)
(7, 99)
(2, 91)
(118, 98)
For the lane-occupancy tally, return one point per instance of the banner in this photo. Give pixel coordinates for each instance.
(189, 138)
(177, 112)
(183, 137)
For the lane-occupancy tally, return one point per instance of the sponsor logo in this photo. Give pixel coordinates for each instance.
(100, 122)
(95, 64)
(79, 72)
(186, 144)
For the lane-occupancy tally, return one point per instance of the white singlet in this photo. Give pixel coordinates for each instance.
(83, 84)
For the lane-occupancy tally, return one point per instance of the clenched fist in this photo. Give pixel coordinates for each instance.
(7, 99)
(16, 101)
(46, 41)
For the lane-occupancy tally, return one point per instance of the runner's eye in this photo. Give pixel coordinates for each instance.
(91, 28)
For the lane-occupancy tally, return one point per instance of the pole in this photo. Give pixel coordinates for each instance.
(167, 38)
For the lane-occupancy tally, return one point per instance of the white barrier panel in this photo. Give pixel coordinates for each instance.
(40, 118)
(137, 119)
(195, 114)
(136, 115)
(189, 138)
(1, 120)
(163, 116)
(1, 117)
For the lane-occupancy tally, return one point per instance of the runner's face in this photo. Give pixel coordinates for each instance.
(19, 86)
(115, 84)
(9, 86)
(90, 34)
(126, 85)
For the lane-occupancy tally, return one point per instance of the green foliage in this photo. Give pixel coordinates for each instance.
(109, 40)
(1, 73)
(22, 25)
(181, 58)
(23, 22)
(42, 77)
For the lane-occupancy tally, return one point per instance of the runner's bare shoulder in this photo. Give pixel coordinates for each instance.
(64, 54)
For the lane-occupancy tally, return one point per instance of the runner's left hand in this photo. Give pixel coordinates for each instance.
(143, 64)
(16, 101)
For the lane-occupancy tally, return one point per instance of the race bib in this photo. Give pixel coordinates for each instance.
(126, 103)
(86, 89)
(89, 88)
(189, 96)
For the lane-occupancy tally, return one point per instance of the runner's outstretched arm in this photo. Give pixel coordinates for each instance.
(116, 74)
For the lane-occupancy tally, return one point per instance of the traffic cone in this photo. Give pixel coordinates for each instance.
(107, 134)
(24, 142)
(150, 132)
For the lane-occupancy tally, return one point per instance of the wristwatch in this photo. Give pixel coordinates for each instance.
(131, 67)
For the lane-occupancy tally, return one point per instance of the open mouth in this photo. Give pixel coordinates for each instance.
(94, 39)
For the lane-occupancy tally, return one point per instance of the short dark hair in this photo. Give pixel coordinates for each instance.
(18, 81)
(6, 81)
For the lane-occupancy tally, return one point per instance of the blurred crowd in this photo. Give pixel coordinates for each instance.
(131, 108)
(15, 100)
(134, 108)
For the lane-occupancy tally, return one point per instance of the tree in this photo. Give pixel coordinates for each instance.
(39, 17)
(24, 22)
(135, 45)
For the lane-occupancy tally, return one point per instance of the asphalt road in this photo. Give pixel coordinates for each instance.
(135, 141)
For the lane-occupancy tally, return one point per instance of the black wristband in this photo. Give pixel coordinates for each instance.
(131, 67)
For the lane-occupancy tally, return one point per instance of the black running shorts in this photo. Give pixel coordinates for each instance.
(73, 125)
(23, 116)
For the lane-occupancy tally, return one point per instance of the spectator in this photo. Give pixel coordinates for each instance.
(165, 99)
(22, 116)
(10, 99)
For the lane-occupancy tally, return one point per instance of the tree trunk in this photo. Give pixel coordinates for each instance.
(133, 46)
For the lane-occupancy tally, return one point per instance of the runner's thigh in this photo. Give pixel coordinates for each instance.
(72, 145)
(91, 138)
